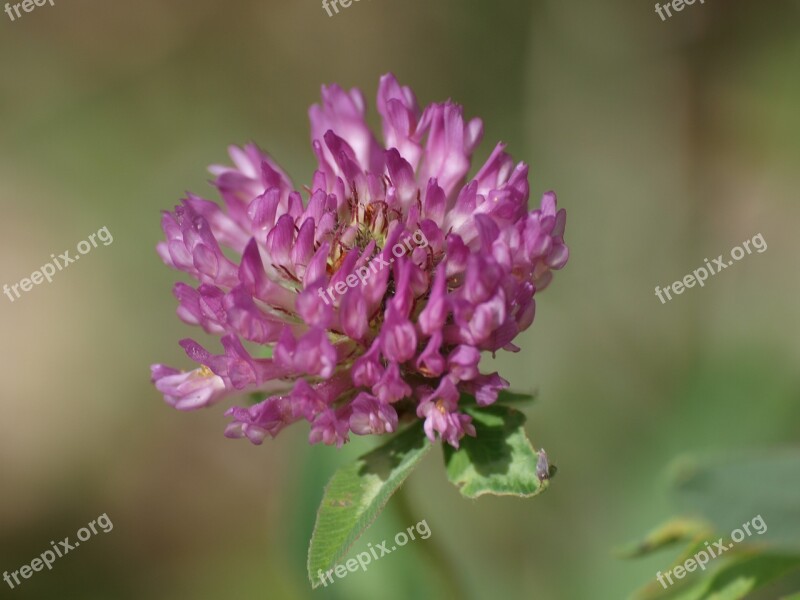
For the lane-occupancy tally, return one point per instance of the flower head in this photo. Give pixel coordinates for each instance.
(372, 296)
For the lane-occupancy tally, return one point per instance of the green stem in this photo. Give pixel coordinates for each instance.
(435, 555)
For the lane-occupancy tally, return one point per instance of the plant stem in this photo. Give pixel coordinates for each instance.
(436, 557)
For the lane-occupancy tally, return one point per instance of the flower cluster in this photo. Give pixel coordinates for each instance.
(406, 343)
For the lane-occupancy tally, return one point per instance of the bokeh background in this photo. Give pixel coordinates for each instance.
(667, 142)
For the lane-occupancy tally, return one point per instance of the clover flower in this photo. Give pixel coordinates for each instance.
(371, 298)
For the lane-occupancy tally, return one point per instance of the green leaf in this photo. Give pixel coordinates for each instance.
(740, 577)
(724, 579)
(756, 495)
(500, 459)
(508, 397)
(734, 590)
(732, 491)
(670, 533)
(357, 493)
(505, 397)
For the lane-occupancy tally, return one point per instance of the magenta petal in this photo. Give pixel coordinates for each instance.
(353, 314)
(495, 171)
(400, 113)
(401, 176)
(398, 338)
(343, 112)
(331, 427)
(434, 315)
(317, 267)
(263, 210)
(280, 240)
(188, 391)
(431, 363)
(246, 319)
(449, 146)
(463, 362)
(391, 387)
(313, 307)
(203, 306)
(367, 368)
(370, 416)
(435, 203)
(303, 250)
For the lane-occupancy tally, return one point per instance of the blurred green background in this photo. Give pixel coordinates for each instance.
(667, 142)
